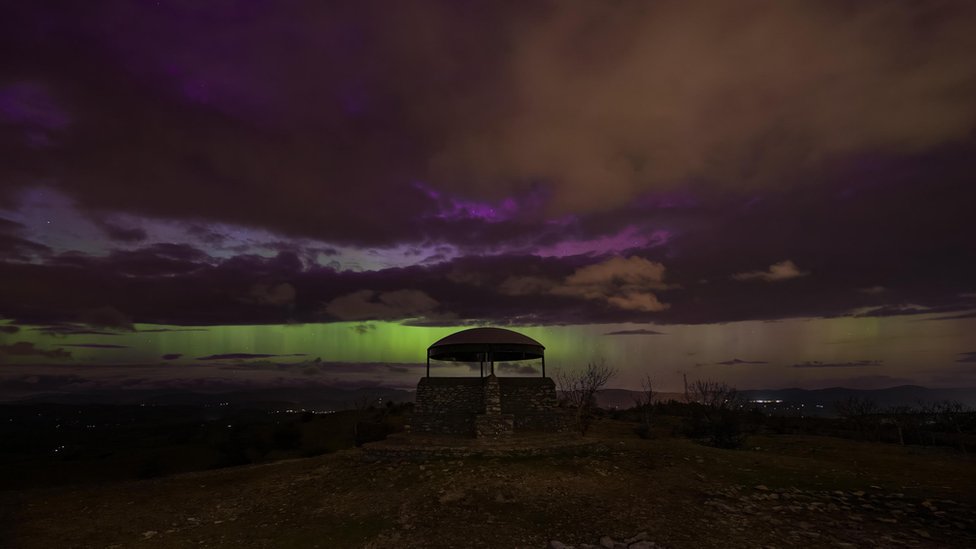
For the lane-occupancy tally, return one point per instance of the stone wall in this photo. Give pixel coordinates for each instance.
(493, 426)
(448, 405)
(457, 406)
(450, 394)
(527, 395)
(553, 421)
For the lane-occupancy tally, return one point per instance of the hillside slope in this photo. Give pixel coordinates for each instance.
(782, 491)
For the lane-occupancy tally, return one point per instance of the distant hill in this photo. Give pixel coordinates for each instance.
(333, 398)
(623, 398)
(903, 395)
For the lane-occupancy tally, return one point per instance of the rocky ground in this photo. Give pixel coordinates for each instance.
(778, 492)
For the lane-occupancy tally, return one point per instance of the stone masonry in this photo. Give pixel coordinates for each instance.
(487, 407)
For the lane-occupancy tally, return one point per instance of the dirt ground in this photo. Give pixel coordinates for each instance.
(783, 491)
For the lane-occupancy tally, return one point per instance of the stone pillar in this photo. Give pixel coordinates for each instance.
(493, 396)
(492, 423)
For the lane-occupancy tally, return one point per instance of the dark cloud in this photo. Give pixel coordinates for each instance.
(171, 356)
(96, 345)
(241, 356)
(164, 259)
(843, 150)
(14, 247)
(735, 361)
(641, 331)
(967, 357)
(107, 317)
(134, 106)
(167, 330)
(69, 329)
(363, 328)
(269, 294)
(41, 383)
(852, 364)
(371, 305)
(236, 290)
(969, 314)
(521, 369)
(784, 270)
(7, 329)
(321, 366)
(8, 226)
(27, 349)
(119, 233)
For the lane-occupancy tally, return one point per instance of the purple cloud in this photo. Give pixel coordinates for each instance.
(149, 115)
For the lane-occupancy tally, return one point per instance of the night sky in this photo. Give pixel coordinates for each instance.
(207, 195)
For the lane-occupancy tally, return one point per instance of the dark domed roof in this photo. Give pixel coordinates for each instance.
(486, 335)
(477, 344)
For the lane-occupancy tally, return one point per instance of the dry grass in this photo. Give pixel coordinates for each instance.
(667, 487)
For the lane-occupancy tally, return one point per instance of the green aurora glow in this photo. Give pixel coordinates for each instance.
(907, 349)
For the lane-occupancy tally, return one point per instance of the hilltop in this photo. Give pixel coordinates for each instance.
(778, 491)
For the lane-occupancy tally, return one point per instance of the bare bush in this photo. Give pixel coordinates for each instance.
(579, 389)
(950, 414)
(862, 412)
(644, 405)
(713, 394)
(716, 413)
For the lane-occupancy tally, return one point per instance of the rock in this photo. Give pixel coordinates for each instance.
(607, 541)
(451, 496)
(642, 536)
(762, 487)
(643, 545)
(858, 493)
(553, 544)
(922, 533)
(148, 534)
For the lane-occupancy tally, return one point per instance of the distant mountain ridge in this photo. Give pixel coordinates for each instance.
(902, 395)
(336, 398)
